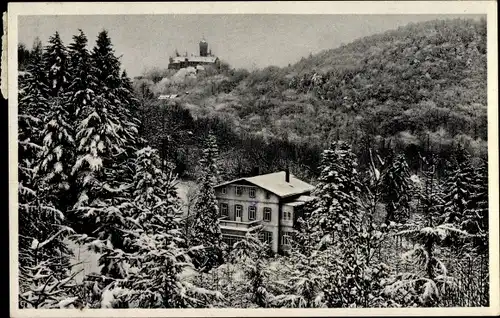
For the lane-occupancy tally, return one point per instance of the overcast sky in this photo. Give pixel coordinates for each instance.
(249, 41)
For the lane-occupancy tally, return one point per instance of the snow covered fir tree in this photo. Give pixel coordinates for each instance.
(205, 227)
(129, 200)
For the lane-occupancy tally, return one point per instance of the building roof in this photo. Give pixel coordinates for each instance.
(276, 183)
(300, 200)
(294, 203)
(195, 59)
(171, 96)
(305, 198)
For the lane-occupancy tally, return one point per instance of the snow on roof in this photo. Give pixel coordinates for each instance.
(294, 203)
(276, 183)
(305, 198)
(172, 96)
(300, 200)
(200, 59)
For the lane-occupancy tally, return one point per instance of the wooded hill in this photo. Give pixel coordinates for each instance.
(418, 89)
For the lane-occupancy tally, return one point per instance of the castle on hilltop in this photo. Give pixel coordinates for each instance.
(205, 58)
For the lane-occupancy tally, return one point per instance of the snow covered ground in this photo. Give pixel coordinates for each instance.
(185, 191)
(182, 189)
(87, 260)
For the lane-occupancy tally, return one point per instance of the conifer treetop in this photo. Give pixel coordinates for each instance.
(55, 60)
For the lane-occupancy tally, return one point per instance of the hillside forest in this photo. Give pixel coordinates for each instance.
(391, 130)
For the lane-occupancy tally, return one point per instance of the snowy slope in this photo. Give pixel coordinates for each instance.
(87, 260)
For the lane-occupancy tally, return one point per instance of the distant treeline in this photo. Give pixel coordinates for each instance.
(242, 154)
(419, 89)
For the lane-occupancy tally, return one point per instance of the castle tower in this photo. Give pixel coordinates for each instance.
(203, 48)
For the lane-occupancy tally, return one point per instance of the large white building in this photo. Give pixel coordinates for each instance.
(270, 200)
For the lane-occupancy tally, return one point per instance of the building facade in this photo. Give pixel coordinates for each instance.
(269, 202)
(205, 58)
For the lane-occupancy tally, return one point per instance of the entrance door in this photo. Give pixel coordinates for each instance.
(238, 209)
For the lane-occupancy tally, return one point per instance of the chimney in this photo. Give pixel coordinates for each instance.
(255, 171)
(287, 174)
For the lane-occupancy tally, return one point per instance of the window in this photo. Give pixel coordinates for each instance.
(267, 237)
(285, 238)
(239, 191)
(223, 209)
(223, 190)
(267, 214)
(252, 211)
(287, 215)
(252, 192)
(237, 210)
(268, 195)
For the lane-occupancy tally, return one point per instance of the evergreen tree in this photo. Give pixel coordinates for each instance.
(108, 222)
(374, 273)
(305, 232)
(32, 109)
(368, 278)
(476, 217)
(336, 211)
(458, 188)
(83, 84)
(106, 211)
(337, 216)
(131, 103)
(206, 229)
(107, 65)
(81, 99)
(427, 286)
(340, 237)
(44, 277)
(128, 96)
(355, 278)
(101, 171)
(131, 118)
(102, 142)
(351, 280)
(98, 142)
(159, 258)
(53, 169)
(23, 56)
(115, 89)
(56, 65)
(396, 188)
(251, 253)
(307, 272)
